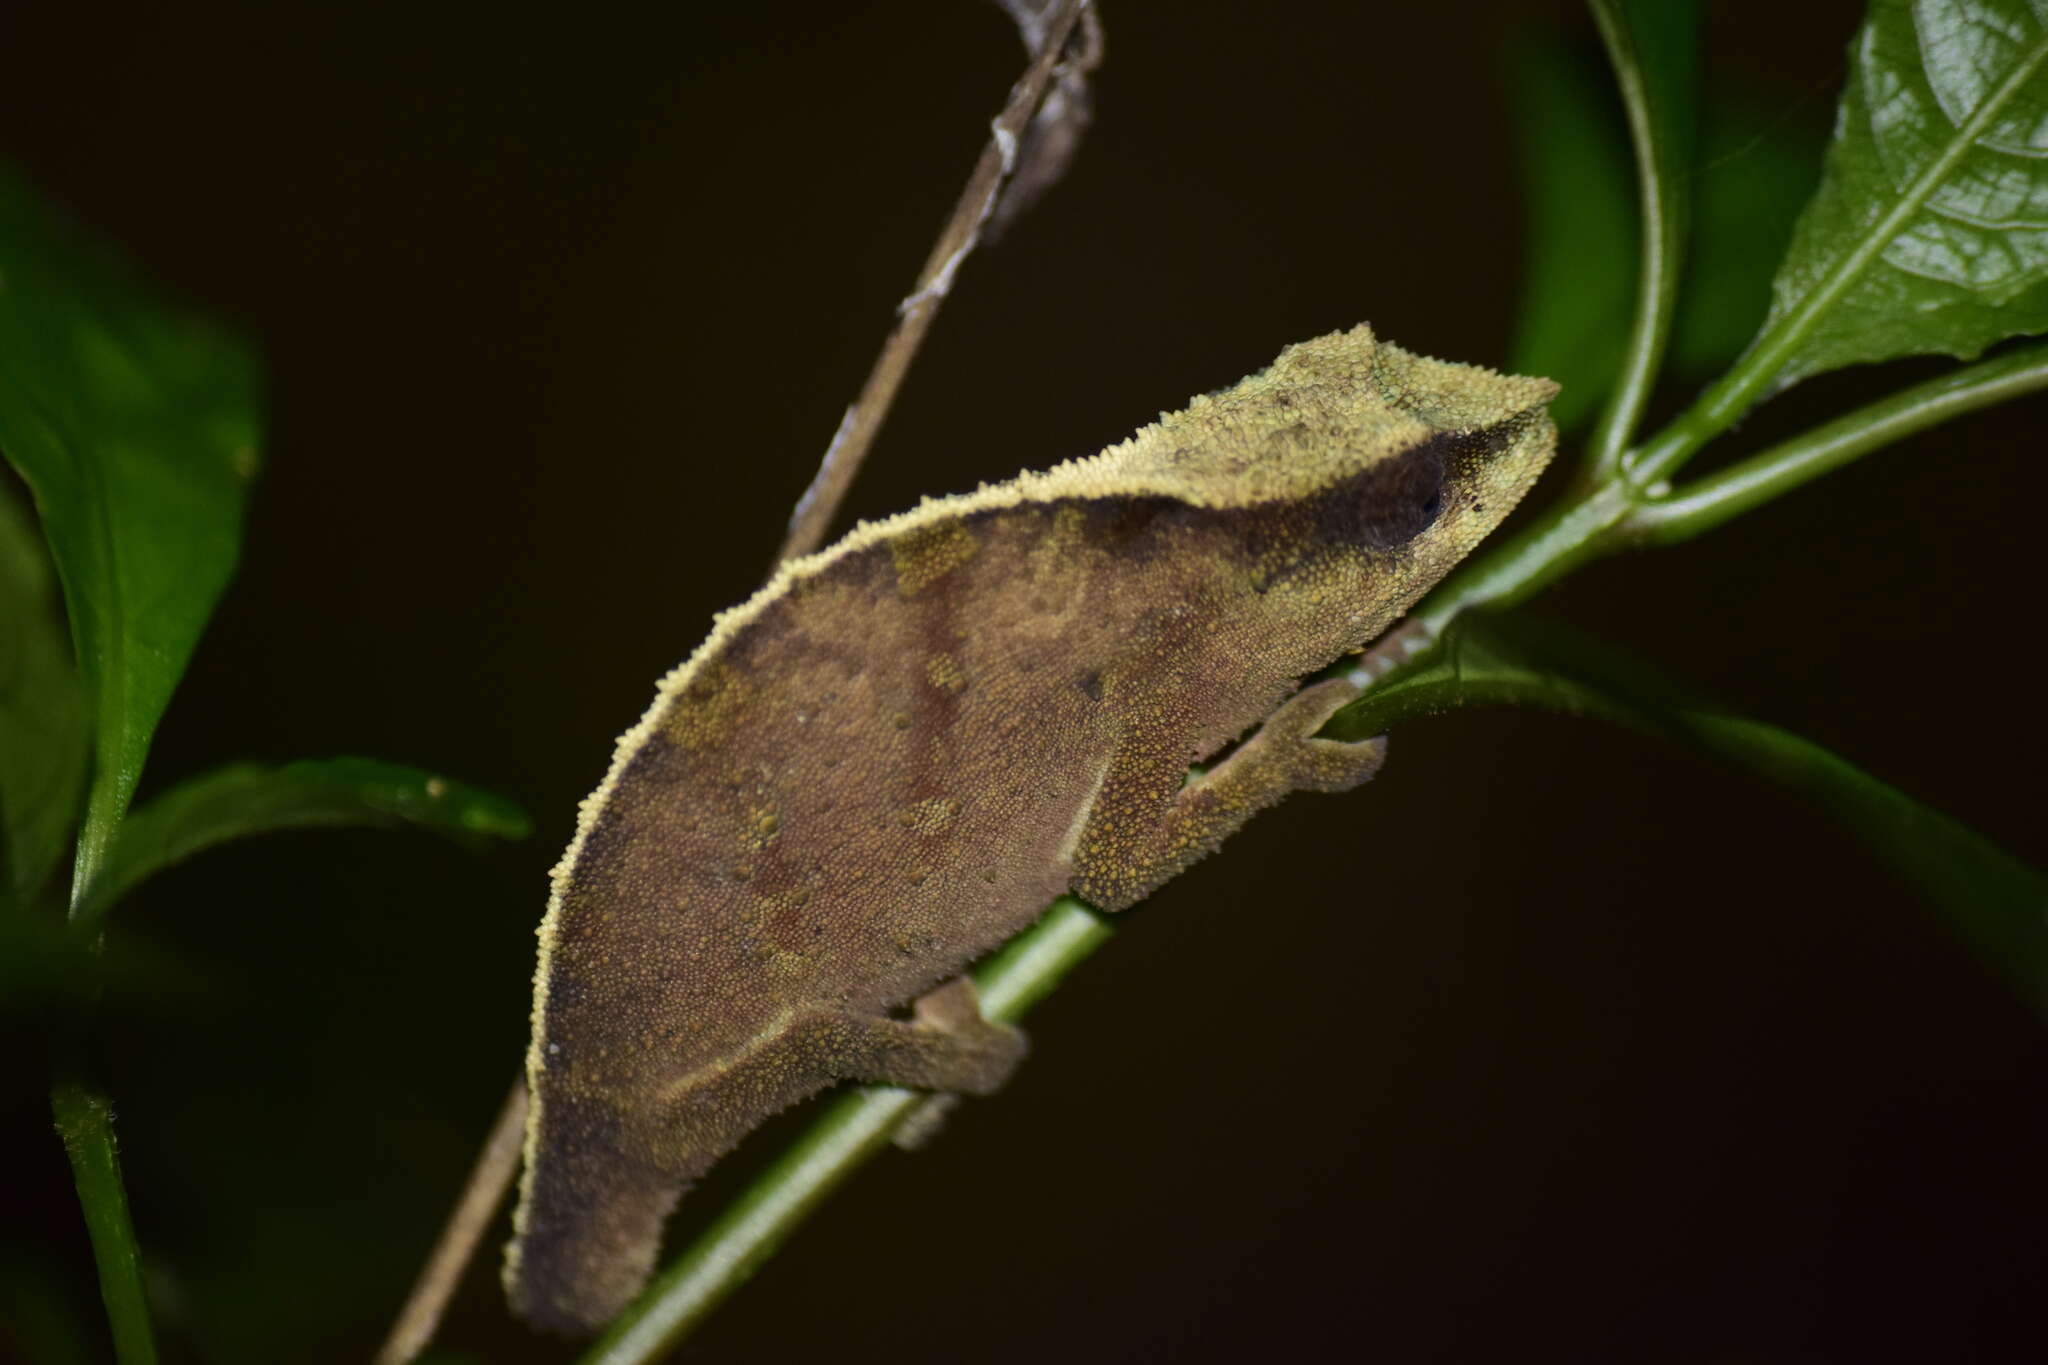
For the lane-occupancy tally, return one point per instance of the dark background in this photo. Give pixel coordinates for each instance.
(1554, 1042)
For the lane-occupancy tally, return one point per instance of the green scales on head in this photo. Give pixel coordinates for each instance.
(897, 753)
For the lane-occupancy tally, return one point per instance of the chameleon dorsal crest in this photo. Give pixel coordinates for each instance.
(894, 755)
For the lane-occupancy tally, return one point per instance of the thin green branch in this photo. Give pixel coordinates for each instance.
(1527, 562)
(1766, 475)
(852, 1129)
(85, 1120)
(1658, 103)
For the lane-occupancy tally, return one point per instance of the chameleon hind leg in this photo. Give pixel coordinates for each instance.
(1149, 821)
(945, 1045)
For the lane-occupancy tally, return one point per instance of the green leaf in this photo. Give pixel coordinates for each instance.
(43, 737)
(135, 426)
(1929, 232)
(1997, 904)
(235, 802)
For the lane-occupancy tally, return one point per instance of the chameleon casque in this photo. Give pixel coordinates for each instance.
(893, 756)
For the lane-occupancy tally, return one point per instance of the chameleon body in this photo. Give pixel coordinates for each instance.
(894, 755)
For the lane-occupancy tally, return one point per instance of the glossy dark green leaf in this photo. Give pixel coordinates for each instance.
(1997, 904)
(236, 802)
(135, 426)
(43, 733)
(1929, 232)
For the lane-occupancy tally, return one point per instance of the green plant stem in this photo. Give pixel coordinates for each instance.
(852, 1129)
(1764, 476)
(85, 1120)
(1656, 133)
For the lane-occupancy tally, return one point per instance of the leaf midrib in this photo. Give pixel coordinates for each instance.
(110, 688)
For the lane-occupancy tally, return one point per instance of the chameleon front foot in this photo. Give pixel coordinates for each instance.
(946, 1045)
(1121, 862)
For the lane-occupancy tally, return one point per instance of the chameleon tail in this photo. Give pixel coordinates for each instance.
(589, 1221)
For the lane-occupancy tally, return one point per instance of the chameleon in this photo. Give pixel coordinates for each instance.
(893, 756)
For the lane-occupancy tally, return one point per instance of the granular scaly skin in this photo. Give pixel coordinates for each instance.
(892, 757)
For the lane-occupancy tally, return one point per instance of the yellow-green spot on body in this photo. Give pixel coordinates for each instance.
(818, 822)
(713, 698)
(945, 673)
(763, 824)
(930, 815)
(924, 554)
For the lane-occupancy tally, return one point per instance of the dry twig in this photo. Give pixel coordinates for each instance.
(857, 429)
(465, 1228)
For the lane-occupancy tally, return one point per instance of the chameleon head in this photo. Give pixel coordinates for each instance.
(1378, 467)
(1416, 452)
(1475, 438)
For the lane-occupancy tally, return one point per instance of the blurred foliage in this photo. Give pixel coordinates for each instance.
(1578, 276)
(1994, 903)
(43, 736)
(1752, 171)
(134, 424)
(37, 1323)
(1756, 168)
(244, 799)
